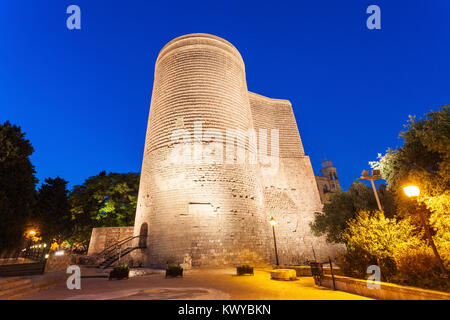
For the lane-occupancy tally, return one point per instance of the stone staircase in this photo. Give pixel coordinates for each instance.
(22, 269)
(17, 287)
(114, 257)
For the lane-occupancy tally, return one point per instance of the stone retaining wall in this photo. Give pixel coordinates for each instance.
(58, 263)
(305, 271)
(387, 291)
(101, 238)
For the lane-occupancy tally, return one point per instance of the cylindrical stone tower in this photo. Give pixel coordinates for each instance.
(210, 213)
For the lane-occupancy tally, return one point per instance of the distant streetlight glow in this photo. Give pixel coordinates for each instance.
(272, 222)
(32, 232)
(412, 191)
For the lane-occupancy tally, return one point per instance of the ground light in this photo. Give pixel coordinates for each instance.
(413, 192)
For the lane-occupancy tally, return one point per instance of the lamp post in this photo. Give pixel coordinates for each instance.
(273, 223)
(375, 176)
(413, 192)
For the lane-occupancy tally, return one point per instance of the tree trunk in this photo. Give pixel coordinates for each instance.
(430, 239)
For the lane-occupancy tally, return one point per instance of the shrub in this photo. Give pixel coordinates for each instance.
(380, 236)
(355, 261)
(393, 245)
(122, 267)
(174, 268)
(418, 267)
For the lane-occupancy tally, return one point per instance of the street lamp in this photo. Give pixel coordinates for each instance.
(273, 223)
(32, 232)
(375, 176)
(413, 192)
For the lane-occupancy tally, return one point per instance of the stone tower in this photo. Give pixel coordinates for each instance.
(216, 212)
(329, 171)
(327, 181)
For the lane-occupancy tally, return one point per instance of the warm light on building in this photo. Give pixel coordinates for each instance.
(59, 253)
(412, 191)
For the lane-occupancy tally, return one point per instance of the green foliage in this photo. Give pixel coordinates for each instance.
(396, 246)
(122, 267)
(53, 211)
(174, 268)
(380, 236)
(373, 237)
(104, 200)
(354, 262)
(418, 267)
(344, 205)
(423, 160)
(17, 184)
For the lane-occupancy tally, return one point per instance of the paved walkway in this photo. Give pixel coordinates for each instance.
(205, 284)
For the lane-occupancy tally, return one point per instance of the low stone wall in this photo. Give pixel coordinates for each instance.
(58, 263)
(305, 271)
(15, 261)
(387, 291)
(101, 238)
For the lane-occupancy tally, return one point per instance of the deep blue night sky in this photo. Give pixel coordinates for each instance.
(83, 96)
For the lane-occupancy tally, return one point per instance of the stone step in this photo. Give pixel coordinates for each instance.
(8, 279)
(27, 289)
(13, 284)
(5, 293)
(44, 285)
(22, 269)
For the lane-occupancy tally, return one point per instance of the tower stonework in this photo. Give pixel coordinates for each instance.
(328, 181)
(217, 213)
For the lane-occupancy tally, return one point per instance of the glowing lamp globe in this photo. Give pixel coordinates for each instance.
(272, 222)
(412, 191)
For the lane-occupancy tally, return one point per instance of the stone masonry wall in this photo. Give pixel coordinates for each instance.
(290, 195)
(101, 238)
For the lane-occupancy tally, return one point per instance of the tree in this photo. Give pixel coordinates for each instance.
(53, 210)
(379, 236)
(423, 160)
(345, 205)
(104, 200)
(17, 184)
(374, 239)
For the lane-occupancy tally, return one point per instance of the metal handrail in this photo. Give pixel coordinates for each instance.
(119, 243)
(113, 245)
